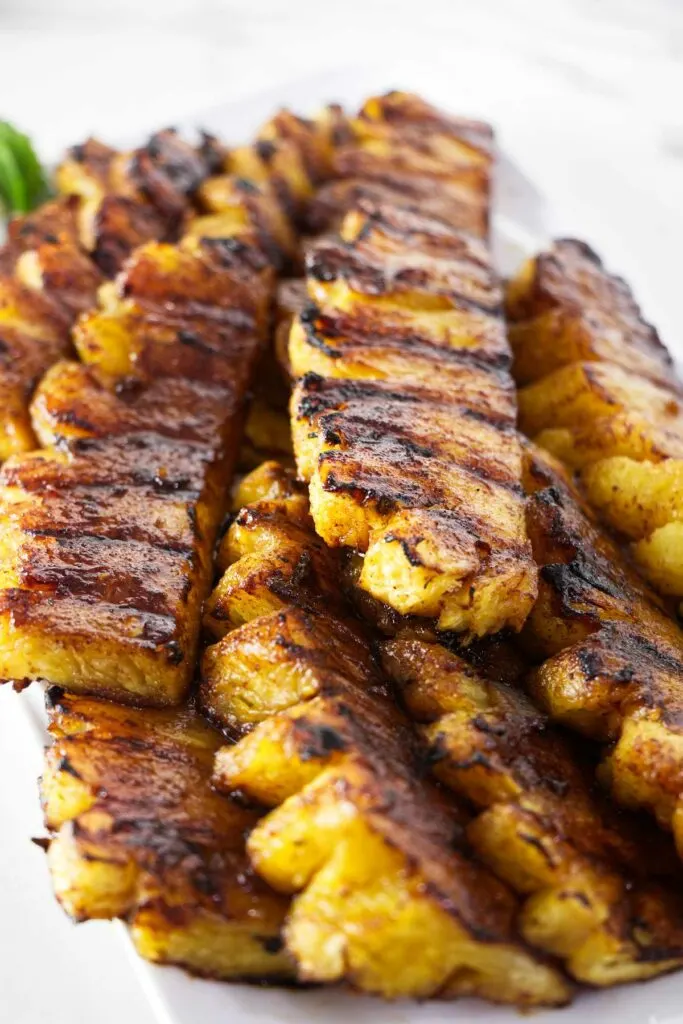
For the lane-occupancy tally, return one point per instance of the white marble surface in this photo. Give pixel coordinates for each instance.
(587, 97)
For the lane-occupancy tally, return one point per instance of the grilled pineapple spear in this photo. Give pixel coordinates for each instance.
(614, 668)
(138, 833)
(402, 151)
(128, 198)
(586, 873)
(55, 257)
(412, 456)
(386, 897)
(157, 402)
(120, 600)
(602, 395)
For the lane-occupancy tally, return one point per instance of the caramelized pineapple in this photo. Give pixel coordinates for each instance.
(323, 743)
(33, 333)
(121, 603)
(615, 659)
(400, 134)
(588, 411)
(316, 139)
(383, 897)
(105, 563)
(586, 871)
(466, 352)
(138, 833)
(270, 557)
(604, 398)
(567, 309)
(427, 491)
(127, 199)
(401, 465)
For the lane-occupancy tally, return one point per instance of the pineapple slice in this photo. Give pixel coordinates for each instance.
(585, 871)
(122, 605)
(400, 133)
(401, 465)
(406, 259)
(140, 834)
(74, 400)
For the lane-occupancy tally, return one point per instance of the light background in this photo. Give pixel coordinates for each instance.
(589, 94)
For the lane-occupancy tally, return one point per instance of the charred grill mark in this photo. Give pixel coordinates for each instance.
(339, 334)
(78, 616)
(119, 572)
(327, 264)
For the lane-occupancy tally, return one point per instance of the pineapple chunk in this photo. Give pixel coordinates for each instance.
(33, 333)
(127, 199)
(250, 207)
(605, 400)
(74, 400)
(139, 834)
(637, 498)
(278, 165)
(566, 308)
(405, 259)
(124, 341)
(270, 557)
(266, 435)
(644, 502)
(316, 139)
(276, 659)
(540, 826)
(587, 411)
(400, 133)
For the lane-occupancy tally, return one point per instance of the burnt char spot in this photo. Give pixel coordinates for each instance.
(65, 765)
(317, 741)
(265, 149)
(271, 943)
(569, 580)
(176, 654)
(54, 696)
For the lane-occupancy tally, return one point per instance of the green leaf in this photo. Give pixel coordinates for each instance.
(23, 184)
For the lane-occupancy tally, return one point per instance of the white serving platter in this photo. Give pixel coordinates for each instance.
(522, 224)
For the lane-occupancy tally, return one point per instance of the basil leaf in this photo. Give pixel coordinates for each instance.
(23, 184)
